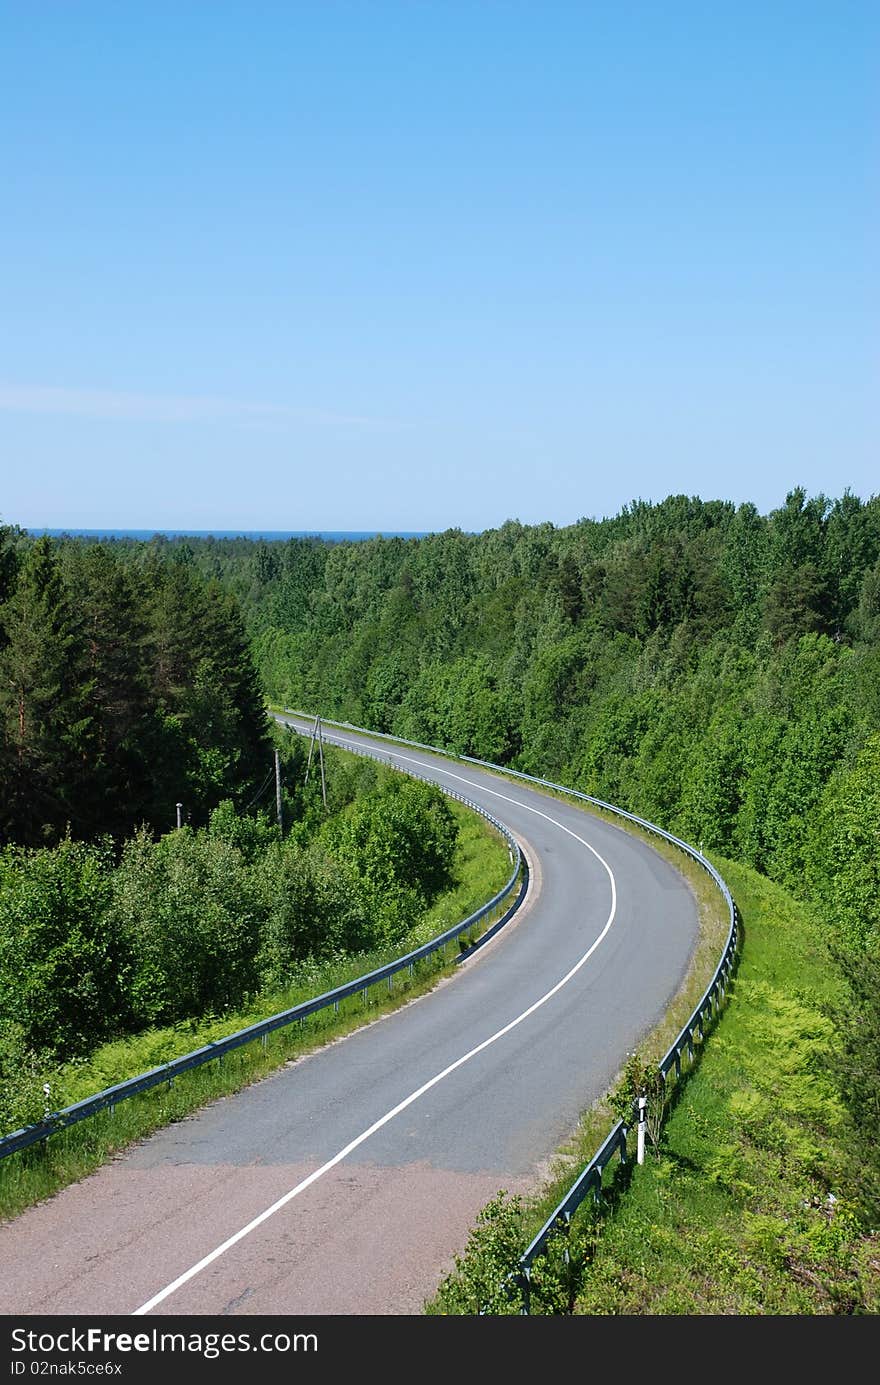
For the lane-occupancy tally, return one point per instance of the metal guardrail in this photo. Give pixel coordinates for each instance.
(589, 1181)
(166, 1072)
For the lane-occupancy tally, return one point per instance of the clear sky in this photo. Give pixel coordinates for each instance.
(407, 266)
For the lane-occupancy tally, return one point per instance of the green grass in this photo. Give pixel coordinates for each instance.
(480, 870)
(742, 1207)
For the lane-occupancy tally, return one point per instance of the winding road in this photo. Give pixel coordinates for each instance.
(345, 1182)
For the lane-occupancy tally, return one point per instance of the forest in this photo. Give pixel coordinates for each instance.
(709, 667)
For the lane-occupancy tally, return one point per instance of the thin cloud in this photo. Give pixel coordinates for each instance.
(114, 405)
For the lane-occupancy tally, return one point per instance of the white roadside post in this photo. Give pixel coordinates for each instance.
(643, 1126)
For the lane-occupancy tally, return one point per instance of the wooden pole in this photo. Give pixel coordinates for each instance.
(311, 748)
(321, 753)
(278, 790)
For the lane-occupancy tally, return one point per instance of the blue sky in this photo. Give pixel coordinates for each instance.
(407, 266)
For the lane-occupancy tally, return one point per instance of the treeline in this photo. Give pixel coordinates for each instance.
(712, 668)
(126, 687)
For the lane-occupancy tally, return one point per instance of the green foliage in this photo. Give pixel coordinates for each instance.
(557, 1275)
(312, 906)
(855, 1063)
(399, 841)
(789, 1105)
(43, 703)
(866, 617)
(699, 663)
(124, 689)
(480, 1281)
(640, 1078)
(249, 834)
(22, 1099)
(8, 562)
(199, 921)
(185, 905)
(64, 961)
(843, 857)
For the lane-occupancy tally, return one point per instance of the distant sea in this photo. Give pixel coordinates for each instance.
(328, 535)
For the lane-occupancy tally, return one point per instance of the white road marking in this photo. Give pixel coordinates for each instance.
(420, 1091)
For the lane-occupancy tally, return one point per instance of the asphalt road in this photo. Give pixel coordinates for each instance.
(346, 1182)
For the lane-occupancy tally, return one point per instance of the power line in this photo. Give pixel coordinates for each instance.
(261, 790)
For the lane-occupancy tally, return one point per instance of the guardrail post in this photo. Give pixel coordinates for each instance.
(526, 1286)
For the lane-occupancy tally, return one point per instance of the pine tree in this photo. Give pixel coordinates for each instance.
(112, 633)
(226, 695)
(215, 740)
(8, 566)
(44, 719)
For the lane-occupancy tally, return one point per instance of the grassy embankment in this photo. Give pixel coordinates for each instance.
(740, 1208)
(480, 869)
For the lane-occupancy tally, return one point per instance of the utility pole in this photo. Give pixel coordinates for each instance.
(321, 754)
(311, 748)
(278, 790)
(317, 735)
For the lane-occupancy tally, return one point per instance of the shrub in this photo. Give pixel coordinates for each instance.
(64, 961)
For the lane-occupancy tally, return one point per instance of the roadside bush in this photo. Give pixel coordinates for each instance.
(185, 905)
(22, 1100)
(481, 1279)
(64, 960)
(311, 905)
(399, 842)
